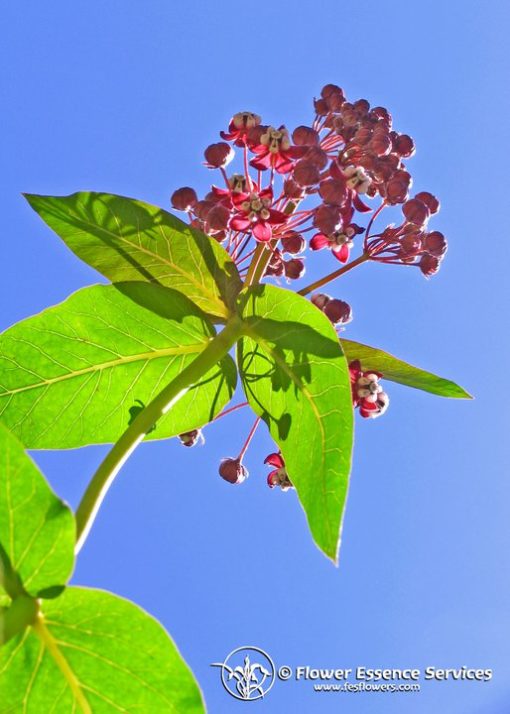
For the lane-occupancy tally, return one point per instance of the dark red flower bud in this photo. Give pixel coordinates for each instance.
(218, 217)
(217, 155)
(306, 173)
(320, 300)
(349, 115)
(382, 115)
(429, 264)
(294, 268)
(190, 438)
(321, 107)
(202, 208)
(333, 191)
(397, 187)
(326, 218)
(403, 145)
(184, 198)
(275, 265)
(305, 136)
(429, 200)
(435, 243)
(380, 143)
(338, 311)
(416, 212)
(317, 156)
(363, 135)
(411, 245)
(291, 189)
(361, 107)
(232, 470)
(293, 243)
(331, 89)
(333, 96)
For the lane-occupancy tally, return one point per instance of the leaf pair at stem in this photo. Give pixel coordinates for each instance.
(114, 361)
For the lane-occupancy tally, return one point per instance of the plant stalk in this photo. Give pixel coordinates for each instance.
(135, 433)
(336, 274)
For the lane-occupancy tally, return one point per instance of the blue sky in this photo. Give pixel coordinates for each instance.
(123, 97)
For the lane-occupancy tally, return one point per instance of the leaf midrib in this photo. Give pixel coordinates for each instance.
(51, 645)
(286, 368)
(130, 359)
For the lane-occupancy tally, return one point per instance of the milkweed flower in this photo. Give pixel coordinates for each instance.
(367, 394)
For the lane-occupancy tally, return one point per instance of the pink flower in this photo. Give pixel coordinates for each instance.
(239, 126)
(253, 213)
(339, 242)
(279, 476)
(275, 151)
(367, 393)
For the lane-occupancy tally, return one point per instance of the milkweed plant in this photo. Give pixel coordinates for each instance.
(194, 306)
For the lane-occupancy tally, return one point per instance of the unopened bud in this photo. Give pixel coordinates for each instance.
(429, 200)
(232, 470)
(435, 244)
(306, 173)
(429, 264)
(326, 218)
(218, 155)
(338, 311)
(190, 438)
(294, 268)
(218, 217)
(184, 198)
(403, 145)
(293, 243)
(416, 212)
(305, 136)
(333, 191)
(320, 300)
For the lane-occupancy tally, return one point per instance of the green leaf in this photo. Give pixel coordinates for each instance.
(79, 372)
(94, 652)
(296, 378)
(37, 530)
(398, 371)
(126, 240)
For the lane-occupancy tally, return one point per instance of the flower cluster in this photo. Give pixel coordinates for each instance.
(319, 187)
(411, 243)
(349, 151)
(367, 394)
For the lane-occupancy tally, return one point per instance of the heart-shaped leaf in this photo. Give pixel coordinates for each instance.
(78, 373)
(296, 378)
(92, 652)
(398, 371)
(126, 240)
(37, 530)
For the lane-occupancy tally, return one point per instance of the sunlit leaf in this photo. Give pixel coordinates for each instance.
(94, 653)
(79, 372)
(37, 530)
(296, 378)
(398, 371)
(125, 239)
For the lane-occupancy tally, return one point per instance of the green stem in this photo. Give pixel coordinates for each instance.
(158, 407)
(336, 274)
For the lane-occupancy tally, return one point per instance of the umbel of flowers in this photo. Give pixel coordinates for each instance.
(318, 187)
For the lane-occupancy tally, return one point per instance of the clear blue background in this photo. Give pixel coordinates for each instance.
(123, 97)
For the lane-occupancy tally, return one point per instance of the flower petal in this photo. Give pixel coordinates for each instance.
(341, 253)
(262, 231)
(239, 223)
(319, 241)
